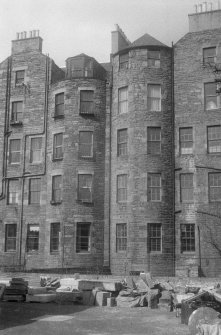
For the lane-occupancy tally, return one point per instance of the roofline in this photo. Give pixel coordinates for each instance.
(141, 47)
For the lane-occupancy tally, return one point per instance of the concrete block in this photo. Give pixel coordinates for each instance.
(11, 297)
(89, 298)
(43, 298)
(111, 302)
(101, 298)
(62, 297)
(37, 290)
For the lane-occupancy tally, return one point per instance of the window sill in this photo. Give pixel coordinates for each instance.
(58, 116)
(188, 252)
(10, 251)
(55, 203)
(55, 252)
(13, 205)
(35, 163)
(89, 158)
(35, 205)
(156, 253)
(87, 114)
(16, 123)
(57, 159)
(83, 252)
(85, 202)
(212, 109)
(14, 164)
(32, 252)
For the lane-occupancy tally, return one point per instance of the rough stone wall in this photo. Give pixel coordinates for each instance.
(189, 77)
(138, 211)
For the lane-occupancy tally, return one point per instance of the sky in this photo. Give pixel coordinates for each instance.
(71, 27)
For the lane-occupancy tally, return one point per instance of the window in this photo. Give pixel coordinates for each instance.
(209, 55)
(13, 187)
(34, 191)
(19, 77)
(155, 237)
(56, 189)
(85, 187)
(122, 188)
(214, 139)
(211, 98)
(54, 236)
(123, 100)
(36, 150)
(59, 104)
(186, 187)
(154, 58)
(153, 140)
(122, 142)
(17, 111)
(86, 144)
(83, 243)
(215, 186)
(10, 237)
(14, 151)
(154, 187)
(154, 97)
(123, 61)
(32, 237)
(121, 237)
(87, 102)
(187, 237)
(58, 146)
(186, 140)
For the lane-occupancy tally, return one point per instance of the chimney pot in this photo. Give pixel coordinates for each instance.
(17, 36)
(195, 6)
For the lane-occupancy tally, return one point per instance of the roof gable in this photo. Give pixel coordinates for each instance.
(147, 39)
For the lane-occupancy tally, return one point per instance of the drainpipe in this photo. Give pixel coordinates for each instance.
(173, 158)
(200, 258)
(6, 126)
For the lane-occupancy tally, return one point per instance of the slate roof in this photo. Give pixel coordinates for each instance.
(147, 40)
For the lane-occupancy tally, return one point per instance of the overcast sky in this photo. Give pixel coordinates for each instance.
(70, 27)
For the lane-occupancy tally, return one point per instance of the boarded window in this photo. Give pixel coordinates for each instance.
(86, 144)
(211, 98)
(154, 97)
(59, 104)
(87, 102)
(215, 186)
(155, 237)
(154, 187)
(10, 237)
(186, 140)
(214, 139)
(123, 61)
(122, 142)
(17, 111)
(154, 58)
(55, 236)
(32, 237)
(122, 188)
(36, 150)
(186, 187)
(34, 191)
(85, 187)
(187, 236)
(121, 237)
(209, 55)
(14, 151)
(83, 242)
(56, 188)
(19, 77)
(154, 140)
(58, 146)
(123, 100)
(13, 191)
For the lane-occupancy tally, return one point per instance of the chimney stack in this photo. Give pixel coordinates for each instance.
(25, 43)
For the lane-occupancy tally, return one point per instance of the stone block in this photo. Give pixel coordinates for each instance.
(62, 297)
(43, 298)
(89, 297)
(11, 297)
(101, 298)
(37, 290)
(111, 302)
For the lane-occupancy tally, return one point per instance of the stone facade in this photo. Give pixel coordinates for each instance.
(115, 165)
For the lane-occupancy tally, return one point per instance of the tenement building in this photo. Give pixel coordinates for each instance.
(113, 166)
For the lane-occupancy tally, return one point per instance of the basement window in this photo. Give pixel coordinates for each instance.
(55, 236)
(83, 239)
(187, 236)
(155, 237)
(121, 237)
(10, 237)
(32, 237)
